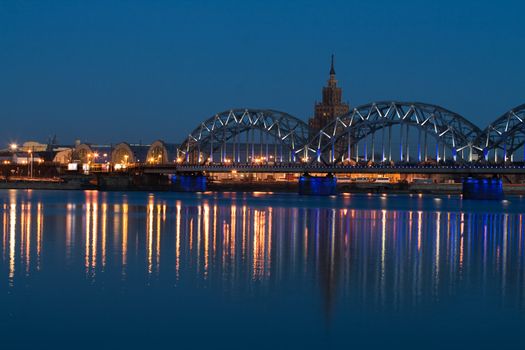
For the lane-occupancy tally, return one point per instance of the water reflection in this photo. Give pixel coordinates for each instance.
(374, 257)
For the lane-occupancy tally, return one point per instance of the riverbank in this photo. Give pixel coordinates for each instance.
(248, 186)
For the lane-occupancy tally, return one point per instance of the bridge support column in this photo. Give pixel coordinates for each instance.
(482, 188)
(194, 182)
(373, 157)
(349, 145)
(407, 137)
(390, 143)
(383, 143)
(233, 150)
(365, 150)
(211, 151)
(260, 144)
(247, 146)
(332, 153)
(419, 145)
(401, 143)
(267, 153)
(318, 185)
(425, 150)
(253, 144)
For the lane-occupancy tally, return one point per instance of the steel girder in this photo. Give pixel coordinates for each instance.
(289, 131)
(448, 128)
(507, 133)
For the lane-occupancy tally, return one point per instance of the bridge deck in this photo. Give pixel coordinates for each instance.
(460, 170)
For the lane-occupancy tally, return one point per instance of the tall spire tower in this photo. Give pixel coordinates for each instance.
(331, 106)
(332, 72)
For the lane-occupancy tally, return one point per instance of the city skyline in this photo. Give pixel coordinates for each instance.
(149, 73)
(297, 174)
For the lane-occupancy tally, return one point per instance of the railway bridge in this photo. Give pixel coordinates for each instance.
(391, 133)
(399, 140)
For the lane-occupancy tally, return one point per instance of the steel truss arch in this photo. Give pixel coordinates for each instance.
(506, 134)
(205, 139)
(448, 128)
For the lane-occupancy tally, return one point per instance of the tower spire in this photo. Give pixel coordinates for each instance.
(331, 105)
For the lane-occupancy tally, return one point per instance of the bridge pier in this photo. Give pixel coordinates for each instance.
(482, 188)
(318, 185)
(188, 182)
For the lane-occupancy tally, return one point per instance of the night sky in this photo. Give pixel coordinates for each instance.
(108, 71)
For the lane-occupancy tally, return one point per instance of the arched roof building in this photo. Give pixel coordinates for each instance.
(125, 153)
(161, 153)
(63, 156)
(90, 153)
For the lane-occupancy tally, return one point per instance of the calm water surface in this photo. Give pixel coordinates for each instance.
(166, 270)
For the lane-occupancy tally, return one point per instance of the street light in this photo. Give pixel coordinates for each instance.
(30, 153)
(13, 147)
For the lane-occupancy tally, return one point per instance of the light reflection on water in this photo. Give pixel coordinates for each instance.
(374, 258)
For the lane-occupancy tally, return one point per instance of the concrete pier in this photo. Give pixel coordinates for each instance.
(482, 188)
(188, 183)
(318, 185)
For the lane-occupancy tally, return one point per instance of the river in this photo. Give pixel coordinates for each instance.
(259, 270)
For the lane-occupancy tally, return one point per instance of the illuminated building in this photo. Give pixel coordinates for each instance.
(331, 105)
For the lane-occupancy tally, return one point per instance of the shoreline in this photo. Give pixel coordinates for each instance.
(242, 186)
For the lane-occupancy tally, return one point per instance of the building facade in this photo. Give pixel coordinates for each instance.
(331, 105)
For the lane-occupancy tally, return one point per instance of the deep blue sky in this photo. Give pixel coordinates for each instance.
(107, 71)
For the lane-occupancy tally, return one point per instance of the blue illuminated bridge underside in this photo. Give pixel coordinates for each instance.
(387, 132)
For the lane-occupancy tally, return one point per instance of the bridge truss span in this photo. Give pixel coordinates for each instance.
(245, 136)
(502, 140)
(368, 132)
